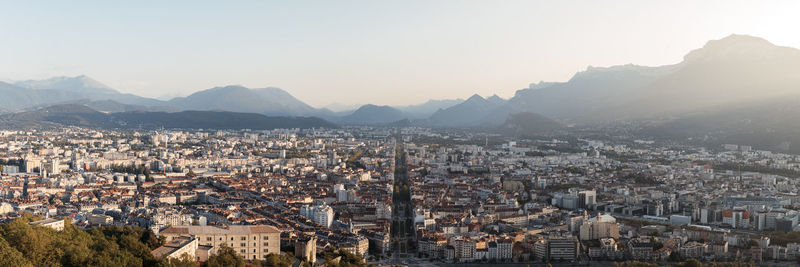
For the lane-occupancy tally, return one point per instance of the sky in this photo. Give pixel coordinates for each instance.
(359, 52)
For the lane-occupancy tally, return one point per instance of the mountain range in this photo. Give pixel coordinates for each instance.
(84, 116)
(471, 112)
(726, 71)
(34, 94)
(270, 101)
(372, 114)
(734, 71)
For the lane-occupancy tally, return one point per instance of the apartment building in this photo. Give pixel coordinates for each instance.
(250, 241)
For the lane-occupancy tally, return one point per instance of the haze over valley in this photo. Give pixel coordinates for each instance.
(400, 133)
(706, 88)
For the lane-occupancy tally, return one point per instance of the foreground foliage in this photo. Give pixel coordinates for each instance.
(22, 244)
(341, 258)
(25, 245)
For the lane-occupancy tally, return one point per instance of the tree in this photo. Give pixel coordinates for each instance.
(101, 246)
(278, 260)
(184, 260)
(150, 239)
(225, 257)
(674, 257)
(11, 257)
(347, 258)
(691, 263)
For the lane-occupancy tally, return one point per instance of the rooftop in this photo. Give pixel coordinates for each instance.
(172, 246)
(227, 230)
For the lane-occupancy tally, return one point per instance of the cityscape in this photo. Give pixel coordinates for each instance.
(687, 161)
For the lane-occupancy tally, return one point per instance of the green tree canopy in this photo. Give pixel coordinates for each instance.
(101, 246)
(225, 257)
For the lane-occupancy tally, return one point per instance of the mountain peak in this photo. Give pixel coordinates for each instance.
(371, 114)
(540, 85)
(230, 87)
(739, 43)
(474, 98)
(742, 38)
(371, 106)
(80, 83)
(376, 108)
(739, 47)
(494, 97)
(237, 98)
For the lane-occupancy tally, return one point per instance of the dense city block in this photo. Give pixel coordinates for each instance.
(409, 196)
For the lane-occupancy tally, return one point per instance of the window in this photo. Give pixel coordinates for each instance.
(242, 244)
(266, 250)
(255, 244)
(242, 251)
(255, 237)
(220, 238)
(244, 238)
(266, 244)
(254, 251)
(208, 238)
(231, 238)
(231, 245)
(266, 237)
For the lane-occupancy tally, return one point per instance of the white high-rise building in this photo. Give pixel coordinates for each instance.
(322, 214)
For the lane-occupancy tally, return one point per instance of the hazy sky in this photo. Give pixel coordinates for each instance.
(381, 52)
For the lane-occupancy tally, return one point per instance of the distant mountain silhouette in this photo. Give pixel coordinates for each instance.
(729, 71)
(13, 98)
(32, 93)
(471, 112)
(110, 106)
(372, 114)
(79, 84)
(587, 92)
(83, 116)
(216, 120)
(427, 109)
(528, 123)
(271, 101)
(52, 116)
(734, 69)
(771, 124)
(84, 87)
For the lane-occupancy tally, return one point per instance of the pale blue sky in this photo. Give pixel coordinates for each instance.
(381, 52)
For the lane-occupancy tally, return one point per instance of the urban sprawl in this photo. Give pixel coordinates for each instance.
(410, 196)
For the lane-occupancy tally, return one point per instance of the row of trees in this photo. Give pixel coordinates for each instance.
(728, 166)
(141, 169)
(227, 257)
(781, 238)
